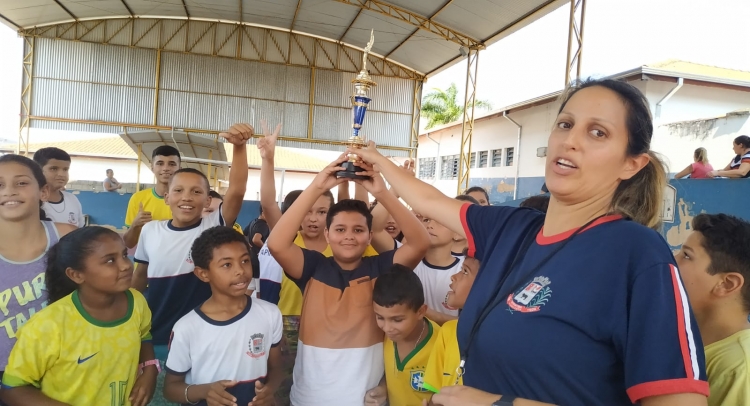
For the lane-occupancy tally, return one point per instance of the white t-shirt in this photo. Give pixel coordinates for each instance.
(173, 288)
(68, 210)
(205, 350)
(436, 282)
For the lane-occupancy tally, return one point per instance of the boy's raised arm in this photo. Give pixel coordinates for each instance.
(417, 240)
(281, 241)
(237, 135)
(267, 149)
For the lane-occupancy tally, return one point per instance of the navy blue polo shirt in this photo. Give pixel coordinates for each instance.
(606, 321)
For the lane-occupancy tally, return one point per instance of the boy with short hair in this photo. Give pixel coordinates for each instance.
(436, 269)
(340, 350)
(163, 253)
(714, 263)
(398, 301)
(446, 358)
(149, 204)
(228, 348)
(61, 206)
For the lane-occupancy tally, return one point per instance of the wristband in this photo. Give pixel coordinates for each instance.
(186, 395)
(505, 400)
(154, 362)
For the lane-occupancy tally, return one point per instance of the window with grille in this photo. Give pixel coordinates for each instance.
(427, 168)
(497, 157)
(449, 167)
(483, 155)
(508, 156)
(473, 160)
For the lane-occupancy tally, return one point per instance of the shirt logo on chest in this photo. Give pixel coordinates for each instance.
(416, 380)
(532, 297)
(72, 218)
(256, 346)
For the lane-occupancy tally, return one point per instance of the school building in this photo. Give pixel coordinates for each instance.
(693, 106)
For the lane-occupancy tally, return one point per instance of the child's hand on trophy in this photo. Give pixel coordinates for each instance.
(374, 182)
(326, 179)
(368, 154)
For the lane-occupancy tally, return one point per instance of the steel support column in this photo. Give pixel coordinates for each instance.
(467, 128)
(415, 115)
(575, 40)
(156, 87)
(27, 80)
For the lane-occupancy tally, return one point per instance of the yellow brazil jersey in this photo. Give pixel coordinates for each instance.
(77, 360)
(290, 297)
(151, 202)
(405, 378)
(728, 370)
(444, 360)
(238, 228)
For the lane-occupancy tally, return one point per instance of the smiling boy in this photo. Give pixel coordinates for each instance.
(163, 253)
(340, 350)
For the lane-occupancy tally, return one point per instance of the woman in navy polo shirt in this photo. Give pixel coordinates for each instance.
(584, 306)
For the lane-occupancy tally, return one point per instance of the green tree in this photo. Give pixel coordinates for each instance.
(442, 106)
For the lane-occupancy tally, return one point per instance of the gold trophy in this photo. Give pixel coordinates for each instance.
(360, 101)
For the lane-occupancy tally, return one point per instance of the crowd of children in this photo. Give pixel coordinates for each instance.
(356, 304)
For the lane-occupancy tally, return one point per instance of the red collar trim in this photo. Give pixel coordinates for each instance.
(542, 240)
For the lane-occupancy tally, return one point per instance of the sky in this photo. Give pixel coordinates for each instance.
(619, 35)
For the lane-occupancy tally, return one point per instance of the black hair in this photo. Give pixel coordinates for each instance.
(743, 140)
(194, 172)
(71, 252)
(640, 197)
(166, 150)
(292, 196)
(202, 251)
(43, 155)
(214, 194)
(726, 240)
(399, 285)
(35, 169)
(349, 206)
(109, 170)
(538, 202)
(467, 198)
(478, 189)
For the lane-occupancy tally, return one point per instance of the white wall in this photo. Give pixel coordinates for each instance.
(691, 102)
(677, 143)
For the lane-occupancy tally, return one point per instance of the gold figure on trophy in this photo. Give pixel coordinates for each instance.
(360, 101)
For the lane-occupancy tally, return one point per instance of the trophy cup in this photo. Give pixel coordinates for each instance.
(360, 101)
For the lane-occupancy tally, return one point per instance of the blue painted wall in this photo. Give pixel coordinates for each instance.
(694, 196)
(108, 209)
(501, 189)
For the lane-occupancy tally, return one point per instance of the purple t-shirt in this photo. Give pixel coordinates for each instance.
(22, 293)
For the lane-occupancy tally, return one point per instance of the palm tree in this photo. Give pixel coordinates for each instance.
(441, 106)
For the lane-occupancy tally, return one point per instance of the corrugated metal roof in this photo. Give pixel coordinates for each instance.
(678, 66)
(404, 29)
(116, 147)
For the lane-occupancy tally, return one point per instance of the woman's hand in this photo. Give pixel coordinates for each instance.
(369, 154)
(463, 396)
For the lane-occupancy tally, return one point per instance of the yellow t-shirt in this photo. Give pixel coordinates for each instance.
(405, 378)
(76, 359)
(290, 297)
(151, 202)
(444, 360)
(727, 369)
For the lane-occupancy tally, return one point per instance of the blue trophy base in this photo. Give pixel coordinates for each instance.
(350, 171)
